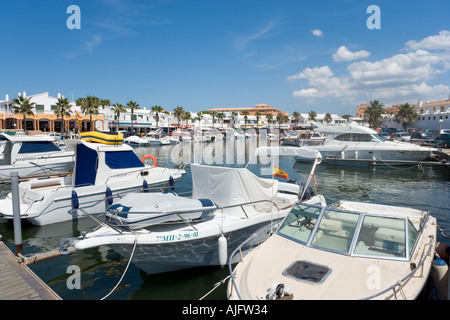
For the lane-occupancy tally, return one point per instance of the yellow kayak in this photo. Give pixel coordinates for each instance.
(113, 138)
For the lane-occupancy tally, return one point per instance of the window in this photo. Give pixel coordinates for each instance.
(383, 237)
(38, 146)
(335, 231)
(300, 223)
(39, 108)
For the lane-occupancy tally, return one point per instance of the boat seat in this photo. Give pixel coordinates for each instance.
(390, 240)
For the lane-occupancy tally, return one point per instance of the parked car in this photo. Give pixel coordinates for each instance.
(442, 141)
(422, 138)
(402, 136)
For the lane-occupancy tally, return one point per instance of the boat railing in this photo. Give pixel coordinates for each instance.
(410, 275)
(254, 238)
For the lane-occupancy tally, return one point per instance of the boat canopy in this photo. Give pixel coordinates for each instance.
(232, 186)
(38, 147)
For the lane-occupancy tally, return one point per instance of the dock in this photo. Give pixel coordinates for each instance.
(19, 282)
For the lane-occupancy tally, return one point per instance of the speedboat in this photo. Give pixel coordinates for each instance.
(156, 138)
(356, 144)
(347, 251)
(101, 174)
(33, 155)
(135, 140)
(166, 232)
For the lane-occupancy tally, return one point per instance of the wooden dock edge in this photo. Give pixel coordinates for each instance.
(24, 283)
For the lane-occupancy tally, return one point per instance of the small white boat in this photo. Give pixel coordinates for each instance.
(135, 140)
(170, 232)
(348, 251)
(101, 174)
(156, 138)
(33, 155)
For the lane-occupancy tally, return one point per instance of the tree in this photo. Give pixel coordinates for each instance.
(63, 109)
(281, 118)
(405, 115)
(245, 113)
(132, 105)
(178, 113)
(118, 108)
(157, 110)
(234, 115)
(328, 118)
(373, 113)
(213, 114)
(221, 116)
(269, 118)
(89, 105)
(296, 118)
(24, 107)
(258, 116)
(186, 117)
(312, 116)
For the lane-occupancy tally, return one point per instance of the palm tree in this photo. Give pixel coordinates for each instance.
(296, 118)
(105, 102)
(312, 116)
(405, 115)
(245, 113)
(24, 107)
(178, 113)
(221, 116)
(132, 105)
(269, 118)
(157, 110)
(89, 105)
(280, 119)
(373, 113)
(63, 109)
(258, 115)
(118, 108)
(186, 117)
(328, 118)
(234, 115)
(213, 115)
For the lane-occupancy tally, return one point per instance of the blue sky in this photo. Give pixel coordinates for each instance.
(292, 54)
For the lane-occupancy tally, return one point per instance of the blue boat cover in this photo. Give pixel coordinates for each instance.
(122, 159)
(86, 166)
(38, 146)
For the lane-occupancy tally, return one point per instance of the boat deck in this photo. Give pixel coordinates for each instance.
(18, 282)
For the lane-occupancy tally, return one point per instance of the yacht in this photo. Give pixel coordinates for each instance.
(353, 144)
(157, 138)
(101, 174)
(346, 251)
(33, 155)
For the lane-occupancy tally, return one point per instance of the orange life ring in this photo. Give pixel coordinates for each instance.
(149, 156)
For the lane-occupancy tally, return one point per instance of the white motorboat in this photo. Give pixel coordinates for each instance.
(101, 174)
(166, 232)
(33, 155)
(356, 144)
(348, 251)
(157, 138)
(135, 140)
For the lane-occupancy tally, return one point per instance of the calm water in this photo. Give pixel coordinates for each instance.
(101, 268)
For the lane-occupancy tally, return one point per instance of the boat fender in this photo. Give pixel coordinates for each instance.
(149, 156)
(443, 250)
(222, 251)
(440, 278)
(75, 202)
(145, 185)
(171, 183)
(109, 196)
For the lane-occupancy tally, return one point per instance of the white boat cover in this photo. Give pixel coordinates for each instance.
(230, 186)
(381, 209)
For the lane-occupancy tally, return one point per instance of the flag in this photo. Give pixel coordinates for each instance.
(277, 172)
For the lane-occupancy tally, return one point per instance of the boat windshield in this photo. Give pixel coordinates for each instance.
(359, 137)
(349, 232)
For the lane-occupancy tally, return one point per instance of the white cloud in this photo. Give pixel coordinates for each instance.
(403, 77)
(343, 54)
(317, 32)
(440, 41)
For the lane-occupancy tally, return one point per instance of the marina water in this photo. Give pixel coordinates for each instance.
(425, 188)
